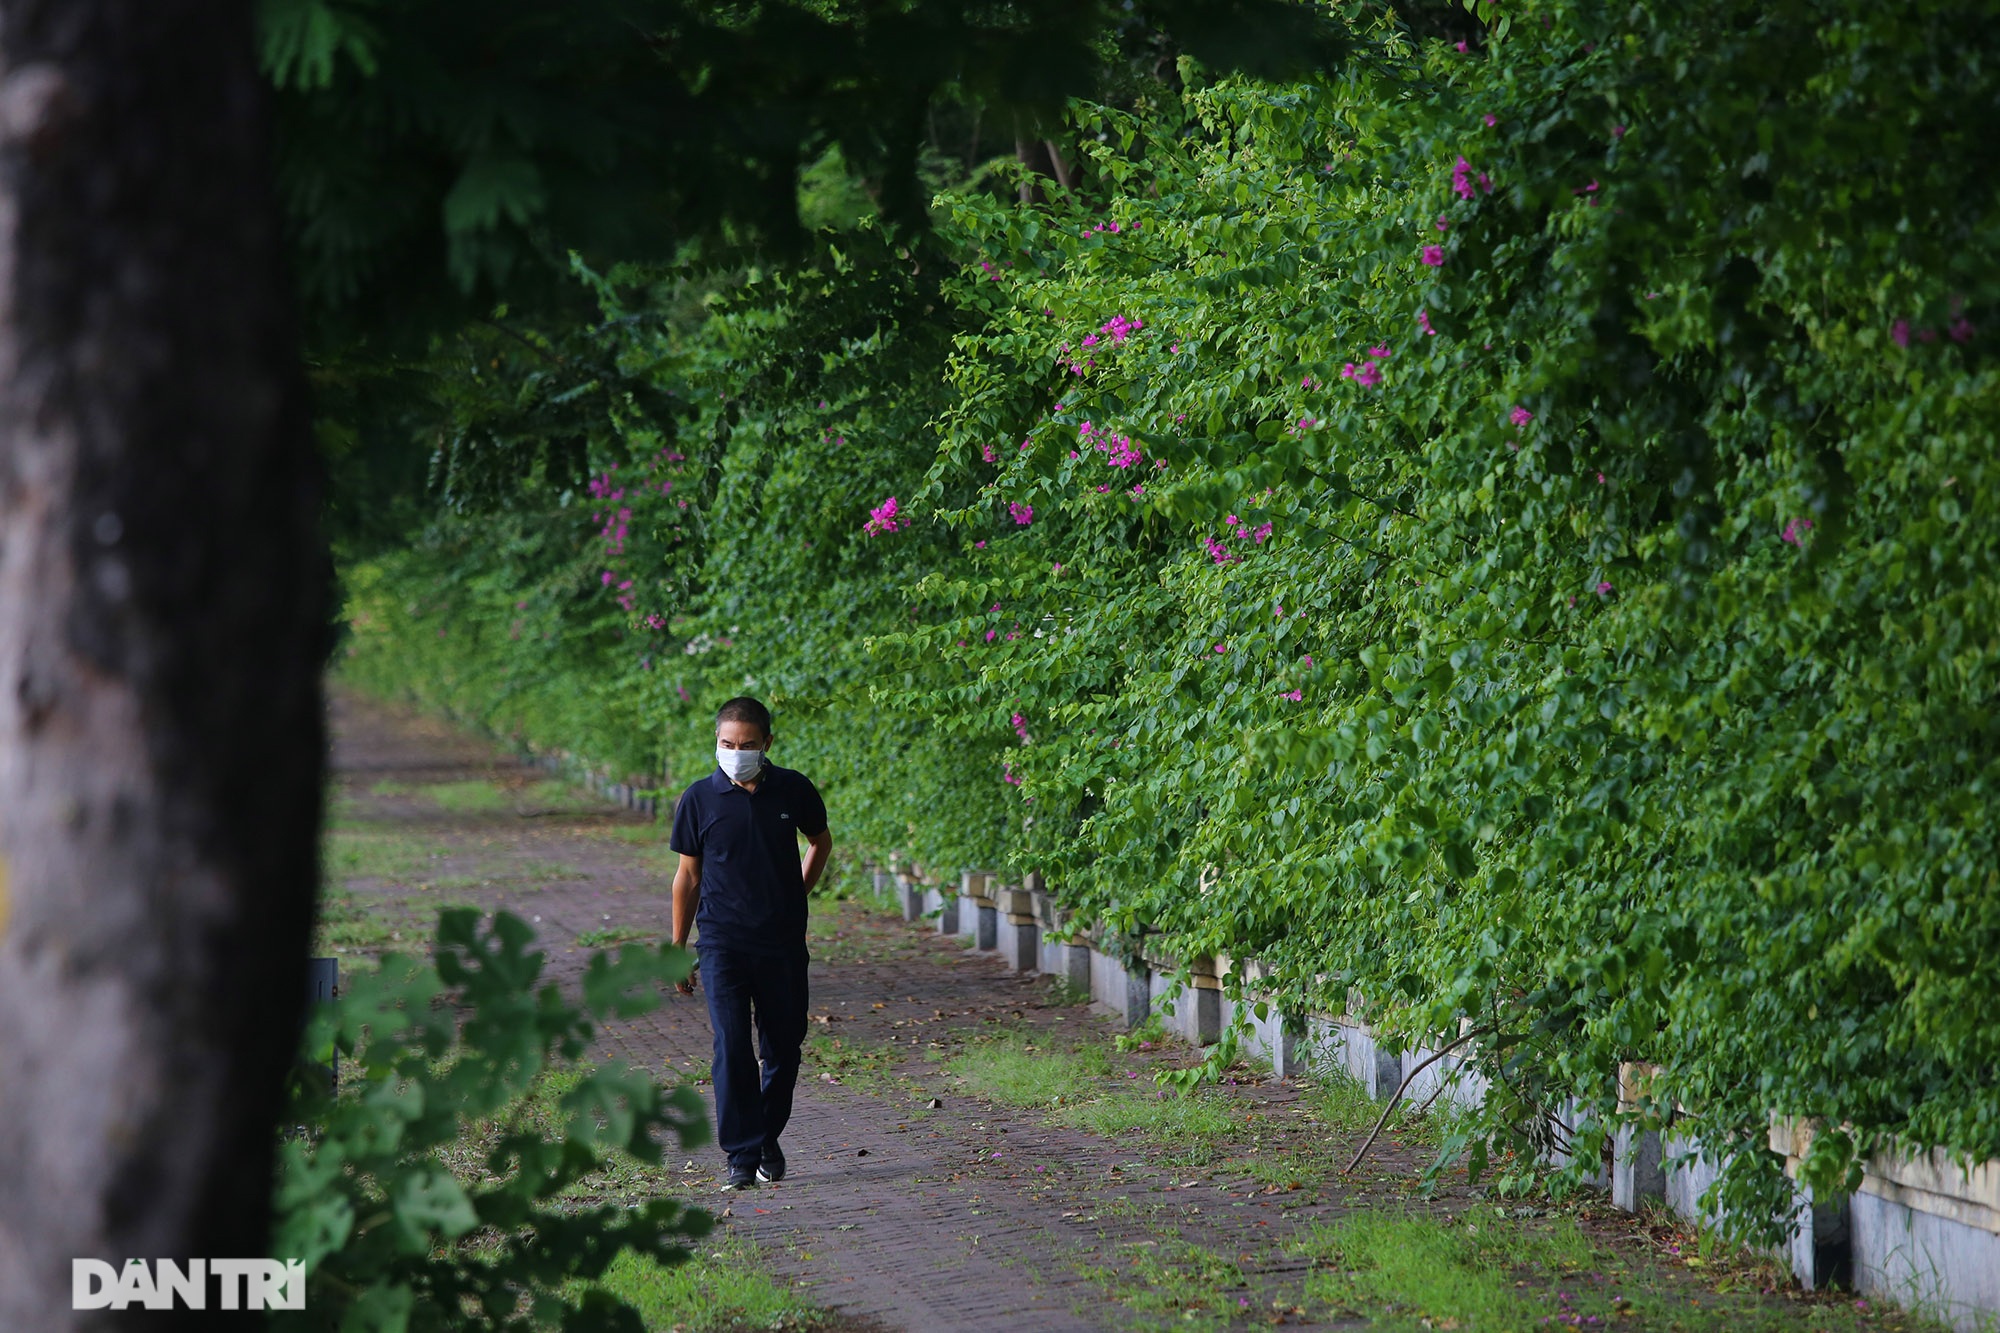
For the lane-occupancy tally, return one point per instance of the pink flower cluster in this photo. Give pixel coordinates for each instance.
(1111, 227)
(1021, 513)
(1424, 323)
(882, 518)
(1432, 255)
(616, 521)
(1520, 416)
(1021, 728)
(1959, 331)
(1239, 530)
(1118, 328)
(1119, 450)
(1007, 773)
(1795, 531)
(1462, 180)
(1368, 374)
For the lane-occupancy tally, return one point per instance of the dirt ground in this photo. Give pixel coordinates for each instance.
(915, 1203)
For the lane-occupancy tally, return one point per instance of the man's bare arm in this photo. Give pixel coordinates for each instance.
(821, 847)
(687, 897)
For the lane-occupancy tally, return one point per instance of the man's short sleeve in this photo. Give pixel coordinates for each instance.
(812, 810)
(687, 826)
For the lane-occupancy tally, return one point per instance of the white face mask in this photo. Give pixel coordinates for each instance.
(740, 765)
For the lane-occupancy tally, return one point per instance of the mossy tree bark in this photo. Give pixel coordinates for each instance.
(163, 620)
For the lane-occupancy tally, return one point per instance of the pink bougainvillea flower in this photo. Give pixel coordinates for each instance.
(1490, 120)
(1380, 351)
(1306, 660)
(1961, 330)
(1424, 323)
(1433, 255)
(1461, 179)
(1221, 648)
(882, 518)
(979, 546)
(986, 453)
(1120, 452)
(1600, 479)
(1294, 695)
(1461, 47)
(1443, 223)
(1603, 588)
(1795, 531)
(1617, 131)
(1368, 375)
(1520, 416)
(992, 634)
(1899, 333)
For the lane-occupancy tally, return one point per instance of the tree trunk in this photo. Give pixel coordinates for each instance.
(163, 600)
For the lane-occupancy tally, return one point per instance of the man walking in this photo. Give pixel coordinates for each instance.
(741, 881)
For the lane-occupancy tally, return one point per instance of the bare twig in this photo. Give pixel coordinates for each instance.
(1403, 1087)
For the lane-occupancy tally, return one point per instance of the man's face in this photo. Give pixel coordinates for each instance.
(739, 735)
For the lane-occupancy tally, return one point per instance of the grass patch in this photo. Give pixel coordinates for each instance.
(1078, 1087)
(346, 926)
(1021, 1071)
(1171, 1117)
(1483, 1272)
(1417, 1272)
(724, 1285)
(1170, 1282)
(468, 798)
(361, 853)
(554, 797)
(599, 939)
(868, 1067)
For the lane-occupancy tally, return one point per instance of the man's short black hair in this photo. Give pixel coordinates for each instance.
(745, 709)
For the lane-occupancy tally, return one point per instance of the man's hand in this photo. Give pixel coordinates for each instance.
(686, 984)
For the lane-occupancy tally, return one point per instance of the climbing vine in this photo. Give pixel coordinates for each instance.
(1500, 534)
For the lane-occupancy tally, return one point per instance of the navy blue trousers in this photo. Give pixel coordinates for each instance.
(753, 1097)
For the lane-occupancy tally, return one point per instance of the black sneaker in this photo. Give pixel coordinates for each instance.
(741, 1178)
(772, 1169)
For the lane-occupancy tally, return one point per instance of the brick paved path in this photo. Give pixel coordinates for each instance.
(969, 1216)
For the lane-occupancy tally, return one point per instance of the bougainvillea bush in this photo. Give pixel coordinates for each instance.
(1500, 533)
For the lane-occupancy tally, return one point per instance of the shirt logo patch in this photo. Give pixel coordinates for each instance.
(784, 816)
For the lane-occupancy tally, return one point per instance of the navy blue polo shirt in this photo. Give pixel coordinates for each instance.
(753, 891)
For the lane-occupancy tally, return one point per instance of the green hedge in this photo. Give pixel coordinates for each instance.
(1507, 533)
